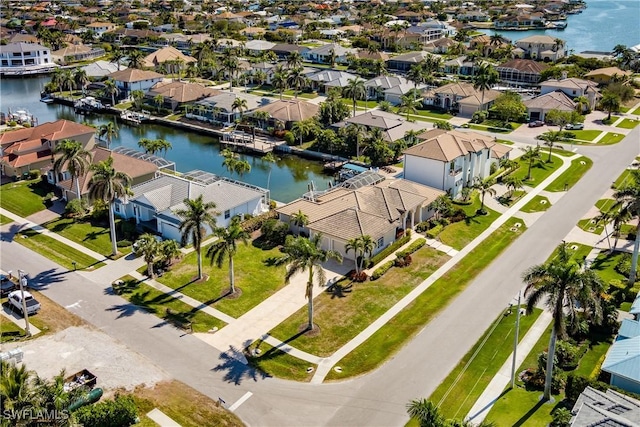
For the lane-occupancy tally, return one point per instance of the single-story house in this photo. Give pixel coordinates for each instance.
(133, 79)
(383, 211)
(524, 72)
(323, 79)
(154, 203)
(610, 408)
(75, 53)
(405, 61)
(623, 358)
(219, 107)
(394, 126)
(29, 149)
(100, 69)
(258, 47)
(168, 57)
(459, 66)
(538, 107)
(176, 94)
(322, 54)
(289, 111)
(461, 97)
(606, 75)
(283, 50)
(450, 160)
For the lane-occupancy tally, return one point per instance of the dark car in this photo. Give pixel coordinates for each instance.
(6, 286)
(536, 124)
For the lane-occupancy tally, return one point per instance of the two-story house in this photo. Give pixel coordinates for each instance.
(542, 47)
(573, 88)
(133, 79)
(20, 57)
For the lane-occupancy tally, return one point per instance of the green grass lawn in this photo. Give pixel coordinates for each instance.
(463, 386)
(256, 281)
(636, 111)
(488, 128)
(505, 142)
(277, 363)
(591, 358)
(24, 198)
(344, 310)
(360, 103)
(624, 179)
(605, 204)
(540, 169)
(394, 334)
(628, 124)
(89, 234)
(605, 264)
(459, 234)
(611, 138)
(4, 219)
(586, 135)
(157, 303)
(537, 204)
(56, 251)
(589, 225)
(577, 251)
(569, 177)
(9, 331)
(562, 152)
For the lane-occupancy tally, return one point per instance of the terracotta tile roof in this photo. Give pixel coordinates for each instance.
(446, 146)
(53, 131)
(26, 159)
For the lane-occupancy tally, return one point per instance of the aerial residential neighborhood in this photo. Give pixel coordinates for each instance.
(345, 213)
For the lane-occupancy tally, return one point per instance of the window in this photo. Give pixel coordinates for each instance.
(227, 214)
(381, 242)
(452, 166)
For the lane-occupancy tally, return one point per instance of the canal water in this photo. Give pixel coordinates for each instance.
(600, 27)
(290, 176)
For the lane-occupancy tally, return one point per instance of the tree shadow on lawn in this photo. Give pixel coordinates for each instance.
(235, 370)
(539, 405)
(9, 235)
(337, 290)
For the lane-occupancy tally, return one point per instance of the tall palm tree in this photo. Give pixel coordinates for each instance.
(66, 80)
(551, 139)
(301, 129)
(233, 164)
(271, 159)
(15, 386)
(485, 77)
(158, 100)
(299, 219)
(239, 104)
(355, 245)
(149, 248)
(617, 217)
(226, 247)
(279, 81)
(416, 75)
(530, 154)
(368, 245)
(407, 105)
(107, 185)
(628, 201)
(484, 186)
(80, 78)
(356, 134)
(75, 158)
(195, 217)
(294, 60)
(231, 65)
(513, 183)
(355, 90)
(610, 102)
(582, 104)
(296, 79)
(116, 56)
(569, 289)
(136, 59)
(110, 89)
(108, 131)
(306, 254)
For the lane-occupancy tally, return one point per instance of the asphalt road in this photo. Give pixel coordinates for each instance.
(377, 399)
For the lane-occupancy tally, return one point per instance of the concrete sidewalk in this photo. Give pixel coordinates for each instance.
(502, 379)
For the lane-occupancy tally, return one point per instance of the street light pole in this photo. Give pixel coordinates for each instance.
(23, 281)
(515, 343)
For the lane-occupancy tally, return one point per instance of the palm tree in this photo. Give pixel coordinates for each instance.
(426, 413)
(262, 117)
(137, 96)
(116, 56)
(569, 289)
(355, 245)
(301, 253)
(294, 60)
(582, 104)
(149, 248)
(355, 90)
(484, 186)
(513, 183)
(239, 104)
(75, 158)
(368, 245)
(66, 80)
(617, 217)
(299, 219)
(195, 218)
(231, 65)
(296, 79)
(279, 81)
(530, 154)
(108, 131)
(416, 75)
(80, 78)
(301, 129)
(355, 133)
(107, 185)
(619, 49)
(551, 139)
(110, 89)
(226, 247)
(158, 100)
(168, 251)
(407, 105)
(486, 76)
(136, 59)
(628, 201)
(610, 102)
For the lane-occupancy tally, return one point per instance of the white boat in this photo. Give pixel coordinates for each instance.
(133, 117)
(21, 116)
(87, 105)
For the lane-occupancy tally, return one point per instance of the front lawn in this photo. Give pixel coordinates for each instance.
(628, 124)
(569, 177)
(166, 307)
(585, 135)
(385, 342)
(540, 169)
(9, 331)
(256, 281)
(636, 112)
(56, 251)
(605, 263)
(4, 220)
(537, 204)
(345, 309)
(457, 394)
(24, 198)
(611, 138)
(459, 234)
(89, 234)
(277, 363)
(605, 204)
(589, 225)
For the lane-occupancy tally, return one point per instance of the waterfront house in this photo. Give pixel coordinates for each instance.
(100, 69)
(393, 126)
(322, 80)
(75, 53)
(605, 408)
(382, 210)
(288, 111)
(604, 76)
(404, 62)
(573, 88)
(154, 203)
(623, 358)
(322, 54)
(170, 59)
(461, 97)
(460, 66)
(18, 58)
(219, 108)
(140, 170)
(176, 94)
(520, 20)
(521, 72)
(450, 160)
(542, 47)
(28, 149)
(133, 79)
(538, 107)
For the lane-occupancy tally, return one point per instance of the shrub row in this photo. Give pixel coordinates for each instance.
(433, 233)
(379, 272)
(389, 249)
(255, 223)
(412, 248)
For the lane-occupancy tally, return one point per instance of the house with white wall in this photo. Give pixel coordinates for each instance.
(16, 57)
(449, 160)
(573, 88)
(133, 79)
(542, 47)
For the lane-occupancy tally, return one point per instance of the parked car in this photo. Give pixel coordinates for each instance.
(15, 299)
(6, 286)
(574, 126)
(536, 123)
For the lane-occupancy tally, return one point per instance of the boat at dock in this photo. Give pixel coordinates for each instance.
(21, 116)
(87, 105)
(133, 117)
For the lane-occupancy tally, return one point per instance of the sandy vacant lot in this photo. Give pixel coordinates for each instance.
(79, 347)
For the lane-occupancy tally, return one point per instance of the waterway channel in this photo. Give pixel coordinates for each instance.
(290, 176)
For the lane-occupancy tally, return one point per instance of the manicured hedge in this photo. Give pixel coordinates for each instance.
(433, 233)
(412, 248)
(389, 249)
(379, 272)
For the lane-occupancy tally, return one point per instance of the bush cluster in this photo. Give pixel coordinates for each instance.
(379, 272)
(404, 261)
(274, 231)
(412, 248)
(121, 411)
(255, 223)
(389, 249)
(433, 232)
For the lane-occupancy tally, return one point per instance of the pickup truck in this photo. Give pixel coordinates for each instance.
(15, 299)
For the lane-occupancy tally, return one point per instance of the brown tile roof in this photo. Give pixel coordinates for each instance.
(556, 100)
(52, 131)
(446, 146)
(609, 71)
(165, 54)
(134, 75)
(182, 91)
(292, 110)
(26, 159)
(525, 65)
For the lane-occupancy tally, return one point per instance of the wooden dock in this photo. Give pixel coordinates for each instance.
(244, 141)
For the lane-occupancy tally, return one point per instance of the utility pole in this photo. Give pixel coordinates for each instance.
(23, 282)
(515, 343)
